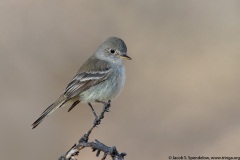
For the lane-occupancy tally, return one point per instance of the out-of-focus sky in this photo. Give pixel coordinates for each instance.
(181, 96)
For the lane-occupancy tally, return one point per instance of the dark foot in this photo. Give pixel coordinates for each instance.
(106, 107)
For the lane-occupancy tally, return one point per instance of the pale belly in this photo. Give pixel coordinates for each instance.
(106, 90)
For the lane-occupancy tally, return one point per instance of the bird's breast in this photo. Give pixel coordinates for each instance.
(108, 89)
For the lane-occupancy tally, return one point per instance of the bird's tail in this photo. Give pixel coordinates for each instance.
(61, 100)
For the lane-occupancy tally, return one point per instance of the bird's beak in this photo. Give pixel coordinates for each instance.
(124, 56)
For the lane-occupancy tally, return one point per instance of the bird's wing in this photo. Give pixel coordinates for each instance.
(86, 78)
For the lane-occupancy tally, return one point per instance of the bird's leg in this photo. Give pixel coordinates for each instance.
(105, 109)
(90, 105)
(106, 105)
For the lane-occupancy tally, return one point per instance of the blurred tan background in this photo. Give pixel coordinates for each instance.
(182, 90)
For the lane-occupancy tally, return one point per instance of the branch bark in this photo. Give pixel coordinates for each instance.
(96, 145)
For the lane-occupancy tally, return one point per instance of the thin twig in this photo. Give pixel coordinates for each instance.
(96, 145)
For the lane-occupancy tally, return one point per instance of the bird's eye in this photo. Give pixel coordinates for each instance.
(112, 51)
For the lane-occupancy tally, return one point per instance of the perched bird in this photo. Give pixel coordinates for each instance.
(100, 78)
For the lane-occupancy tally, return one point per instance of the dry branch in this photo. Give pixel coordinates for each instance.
(96, 145)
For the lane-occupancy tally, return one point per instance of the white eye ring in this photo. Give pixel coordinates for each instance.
(112, 51)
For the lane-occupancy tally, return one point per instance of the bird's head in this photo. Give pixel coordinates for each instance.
(113, 49)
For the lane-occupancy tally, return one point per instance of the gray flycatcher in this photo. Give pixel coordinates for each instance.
(101, 78)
